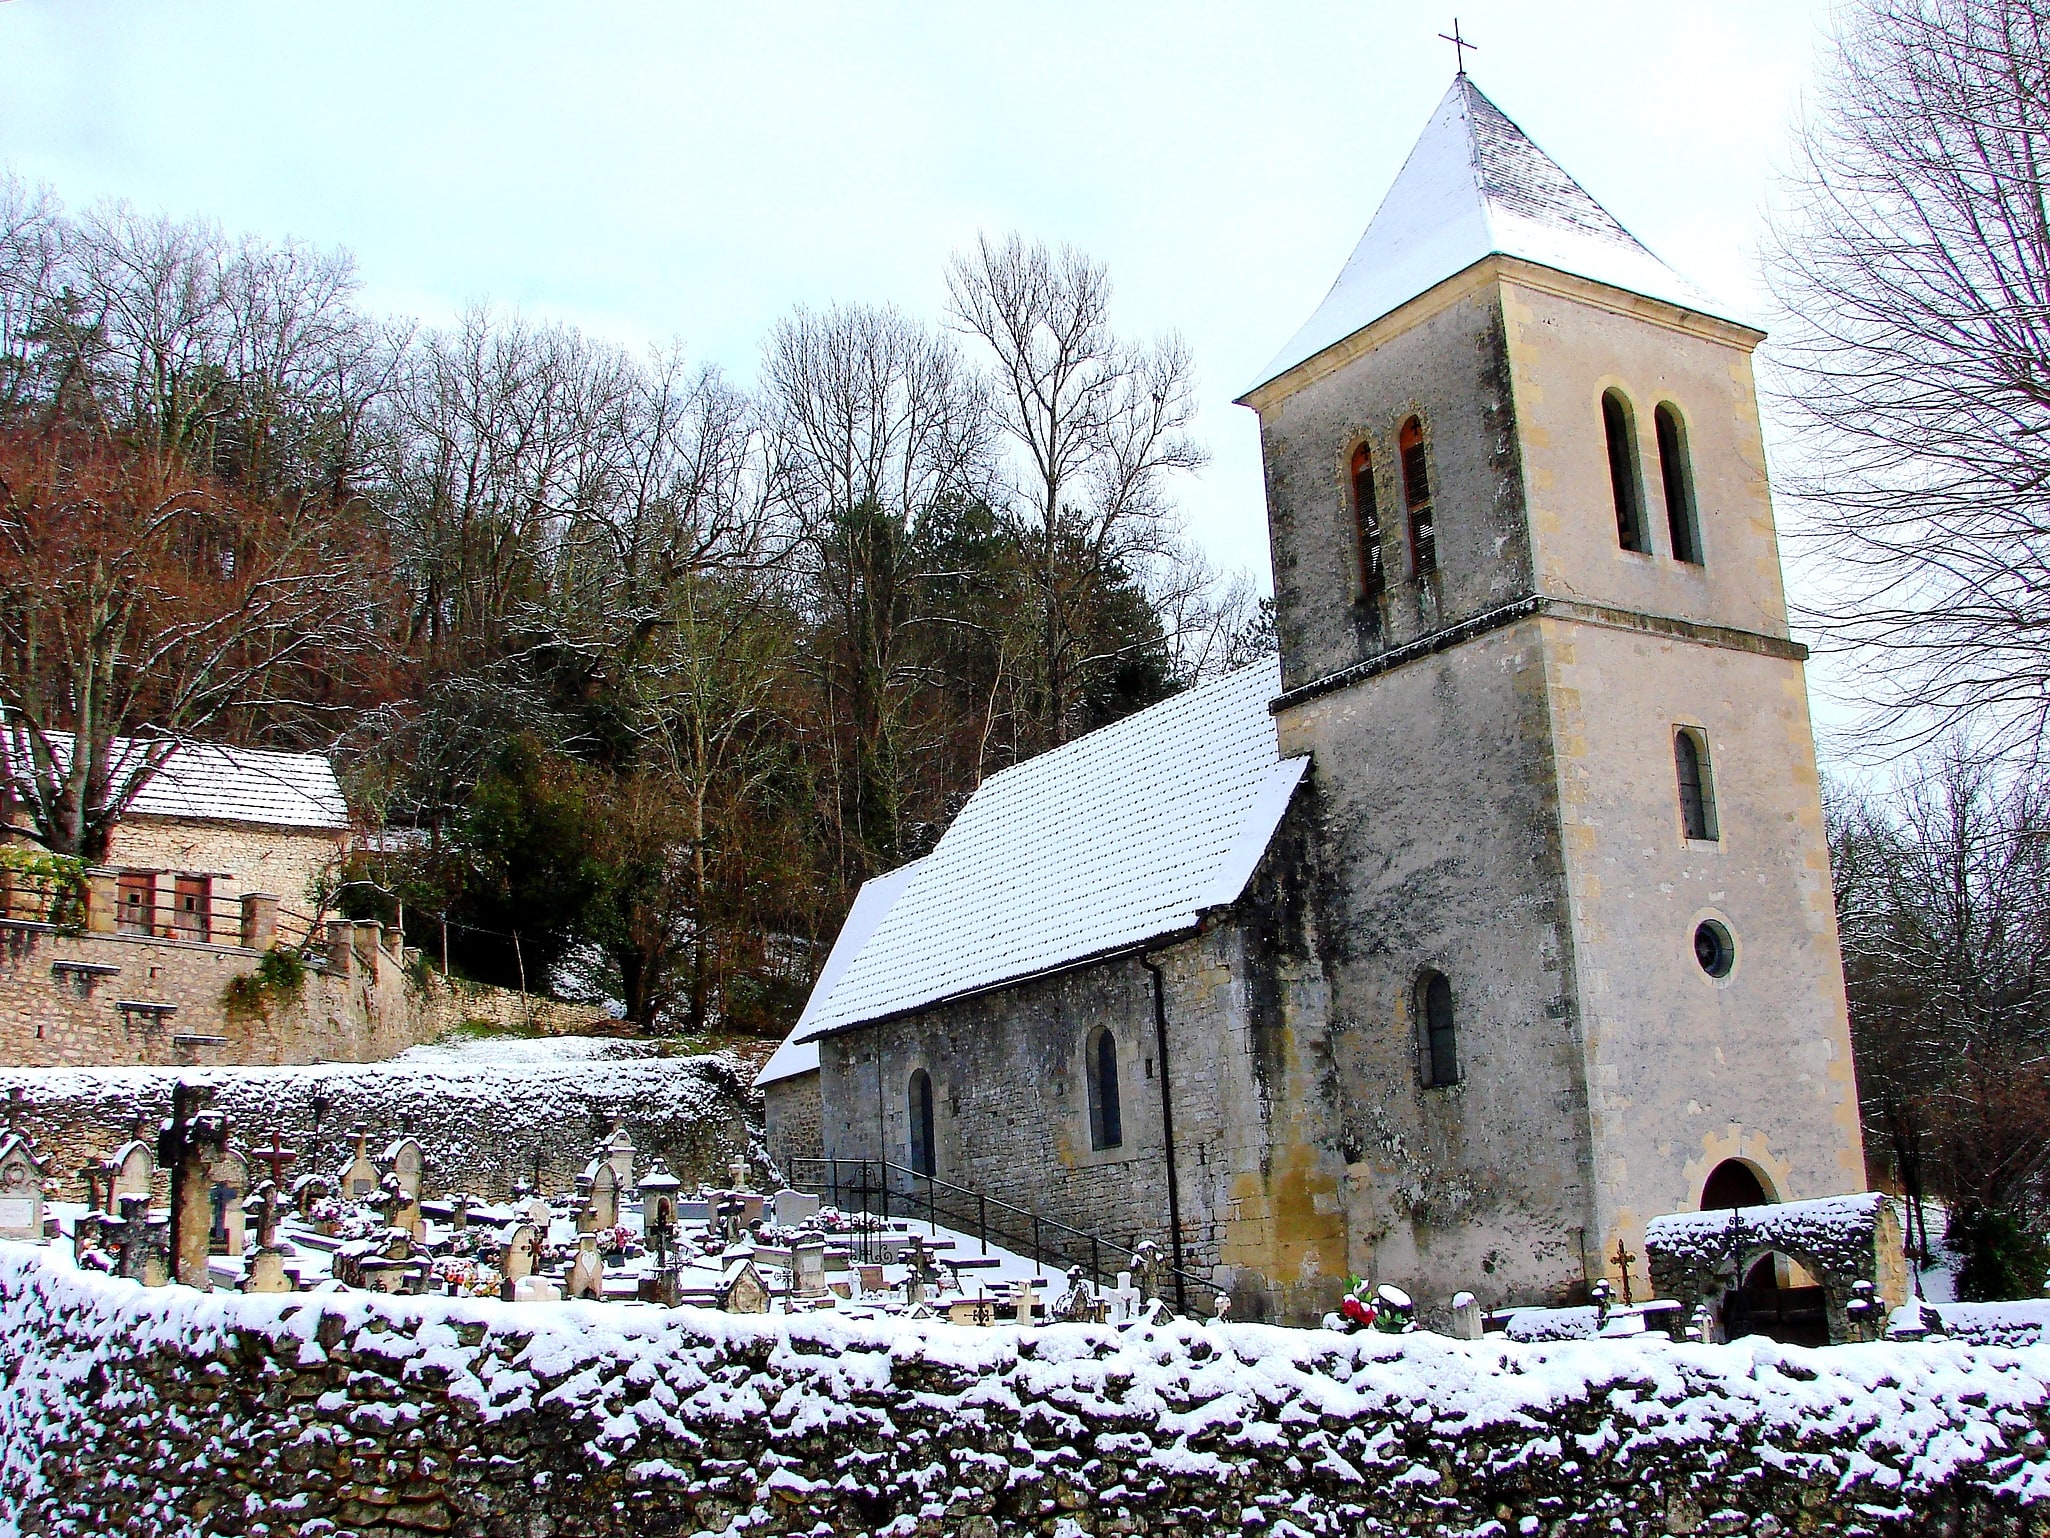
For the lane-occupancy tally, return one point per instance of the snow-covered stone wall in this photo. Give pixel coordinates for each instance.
(482, 1125)
(169, 1412)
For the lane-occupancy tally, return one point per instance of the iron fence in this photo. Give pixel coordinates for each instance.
(876, 1189)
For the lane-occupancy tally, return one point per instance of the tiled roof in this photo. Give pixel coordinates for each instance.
(800, 1054)
(1473, 186)
(1128, 834)
(203, 781)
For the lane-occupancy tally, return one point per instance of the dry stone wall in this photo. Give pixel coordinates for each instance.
(482, 1126)
(171, 1413)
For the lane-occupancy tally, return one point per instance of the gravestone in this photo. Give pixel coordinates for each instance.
(1124, 1299)
(605, 1188)
(227, 1183)
(192, 1141)
(871, 1279)
(742, 1290)
(587, 1272)
(808, 1267)
(794, 1207)
(618, 1151)
(135, 1171)
(522, 1247)
(138, 1244)
(21, 1189)
(1466, 1317)
(407, 1163)
(359, 1178)
(658, 1197)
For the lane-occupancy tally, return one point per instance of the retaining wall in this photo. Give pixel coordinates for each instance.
(482, 1126)
(168, 1412)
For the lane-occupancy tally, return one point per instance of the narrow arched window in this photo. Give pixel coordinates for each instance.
(1416, 496)
(1366, 514)
(1616, 425)
(923, 1160)
(1677, 477)
(1697, 801)
(1440, 1042)
(1106, 1117)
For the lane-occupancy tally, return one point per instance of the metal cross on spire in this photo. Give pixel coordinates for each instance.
(1459, 46)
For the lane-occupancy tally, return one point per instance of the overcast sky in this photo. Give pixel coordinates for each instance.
(657, 171)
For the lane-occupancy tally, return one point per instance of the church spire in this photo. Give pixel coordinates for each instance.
(1475, 185)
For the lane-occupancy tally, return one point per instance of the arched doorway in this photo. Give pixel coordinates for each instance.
(1733, 1183)
(1774, 1296)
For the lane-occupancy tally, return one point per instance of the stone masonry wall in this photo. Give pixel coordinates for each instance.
(241, 857)
(168, 1412)
(482, 1127)
(791, 1120)
(61, 998)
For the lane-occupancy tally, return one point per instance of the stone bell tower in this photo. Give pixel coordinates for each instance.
(1575, 890)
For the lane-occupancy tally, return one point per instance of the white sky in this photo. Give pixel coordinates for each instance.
(650, 171)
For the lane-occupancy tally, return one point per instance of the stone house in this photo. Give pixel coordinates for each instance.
(1489, 921)
(218, 861)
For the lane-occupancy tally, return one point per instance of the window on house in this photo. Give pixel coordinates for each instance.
(1367, 519)
(1106, 1118)
(1623, 485)
(1416, 496)
(192, 905)
(923, 1159)
(1697, 799)
(1677, 477)
(1440, 1034)
(135, 893)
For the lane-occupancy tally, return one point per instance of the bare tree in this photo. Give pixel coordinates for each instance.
(877, 420)
(139, 604)
(1099, 426)
(1913, 264)
(1941, 898)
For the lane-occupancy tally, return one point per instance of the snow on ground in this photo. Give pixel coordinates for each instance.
(523, 1051)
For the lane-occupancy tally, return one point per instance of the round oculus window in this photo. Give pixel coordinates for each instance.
(1714, 948)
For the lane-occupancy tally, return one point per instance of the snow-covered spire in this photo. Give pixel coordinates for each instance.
(1474, 186)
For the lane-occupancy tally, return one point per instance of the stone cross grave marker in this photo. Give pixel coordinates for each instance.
(191, 1142)
(227, 1183)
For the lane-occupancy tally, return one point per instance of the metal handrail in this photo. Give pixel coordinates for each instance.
(1049, 1238)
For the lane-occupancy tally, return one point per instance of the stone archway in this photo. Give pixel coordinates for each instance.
(1735, 1183)
(1839, 1241)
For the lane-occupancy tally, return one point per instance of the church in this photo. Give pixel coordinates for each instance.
(1489, 921)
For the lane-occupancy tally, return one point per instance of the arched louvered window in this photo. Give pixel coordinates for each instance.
(1697, 802)
(1106, 1116)
(923, 1159)
(1677, 476)
(1416, 496)
(1623, 480)
(1366, 514)
(1440, 1033)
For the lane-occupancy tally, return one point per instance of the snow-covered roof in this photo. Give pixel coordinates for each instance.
(1132, 832)
(800, 1054)
(204, 781)
(1475, 186)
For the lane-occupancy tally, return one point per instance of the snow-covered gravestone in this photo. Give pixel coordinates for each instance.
(605, 1188)
(587, 1272)
(618, 1151)
(808, 1267)
(228, 1181)
(135, 1171)
(359, 1180)
(794, 1207)
(742, 1290)
(1123, 1299)
(1466, 1317)
(405, 1160)
(521, 1247)
(21, 1189)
